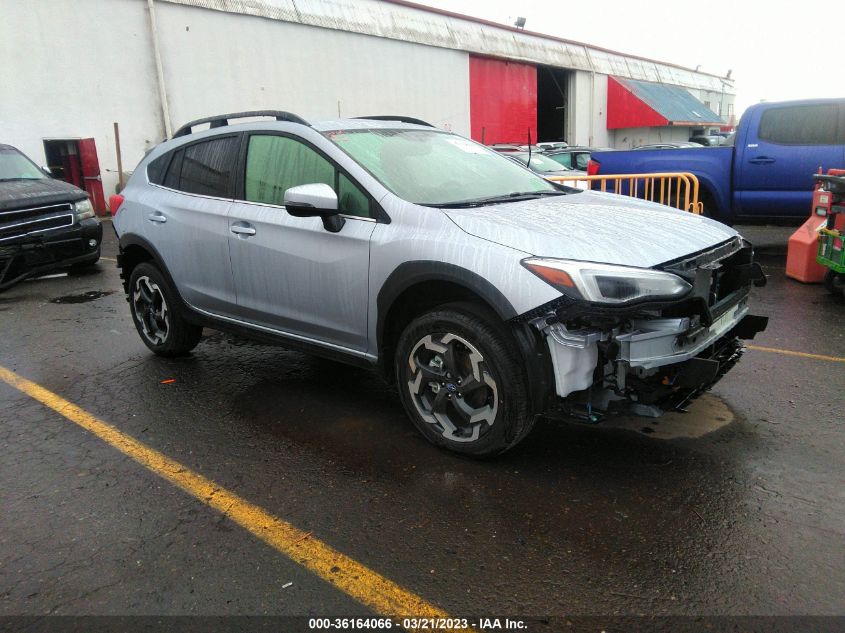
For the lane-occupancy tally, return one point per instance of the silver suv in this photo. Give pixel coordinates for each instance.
(489, 294)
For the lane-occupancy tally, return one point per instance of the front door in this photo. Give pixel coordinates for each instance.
(290, 273)
(782, 149)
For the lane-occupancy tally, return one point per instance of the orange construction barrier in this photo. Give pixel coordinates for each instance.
(675, 189)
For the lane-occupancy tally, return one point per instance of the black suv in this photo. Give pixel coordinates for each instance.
(45, 224)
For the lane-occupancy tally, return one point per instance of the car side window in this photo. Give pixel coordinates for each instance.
(817, 124)
(350, 199)
(174, 170)
(156, 168)
(274, 164)
(207, 167)
(563, 159)
(581, 161)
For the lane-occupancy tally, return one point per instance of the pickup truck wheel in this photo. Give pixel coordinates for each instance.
(711, 210)
(461, 381)
(152, 301)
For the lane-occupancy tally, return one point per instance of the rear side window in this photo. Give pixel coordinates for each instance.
(206, 168)
(156, 169)
(174, 170)
(820, 124)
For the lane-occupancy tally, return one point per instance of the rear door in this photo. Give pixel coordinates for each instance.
(291, 274)
(185, 218)
(784, 147)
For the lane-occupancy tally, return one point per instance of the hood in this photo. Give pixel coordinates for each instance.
(595, 227)
(20, 194)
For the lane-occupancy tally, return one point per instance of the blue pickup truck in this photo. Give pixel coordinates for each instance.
(767, 173)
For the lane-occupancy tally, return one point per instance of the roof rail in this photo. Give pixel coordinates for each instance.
(401, 119)
(222, 120)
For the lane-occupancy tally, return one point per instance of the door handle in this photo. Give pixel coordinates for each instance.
(761, 160)
(242, 229)
(157, 217)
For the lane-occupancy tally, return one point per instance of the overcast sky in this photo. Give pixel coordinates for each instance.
(777, 49)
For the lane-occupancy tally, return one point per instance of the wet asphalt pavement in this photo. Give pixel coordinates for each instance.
(734, 508)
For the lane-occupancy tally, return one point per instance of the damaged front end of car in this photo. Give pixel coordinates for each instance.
(645, 340)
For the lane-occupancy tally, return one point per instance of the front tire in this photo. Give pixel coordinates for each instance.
(152, 301)
(462, 382)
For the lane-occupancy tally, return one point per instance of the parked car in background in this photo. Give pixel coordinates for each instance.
(767, 173)
(543, 164)
(487, 293)
(550, 146)
(668, 146)
(45, 224)
(509, 147)
(708, 141)
(572, 157)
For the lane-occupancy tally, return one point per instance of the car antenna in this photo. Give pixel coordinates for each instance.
(528, 164)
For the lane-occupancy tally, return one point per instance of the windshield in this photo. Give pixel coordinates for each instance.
(437, 168)
(16, 166)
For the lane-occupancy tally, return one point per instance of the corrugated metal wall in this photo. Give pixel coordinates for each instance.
(405, 22)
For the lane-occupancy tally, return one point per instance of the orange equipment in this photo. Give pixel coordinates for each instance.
(803, 244)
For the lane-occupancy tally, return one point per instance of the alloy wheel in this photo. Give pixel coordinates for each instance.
(151, 310)
(451, 387)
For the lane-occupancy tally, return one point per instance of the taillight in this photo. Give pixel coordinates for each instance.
(593, 167)
(114, 203)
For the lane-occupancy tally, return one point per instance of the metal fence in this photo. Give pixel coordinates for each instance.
(674, 189)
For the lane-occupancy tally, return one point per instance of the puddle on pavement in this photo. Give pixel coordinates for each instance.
(85, 297)
(706, 415)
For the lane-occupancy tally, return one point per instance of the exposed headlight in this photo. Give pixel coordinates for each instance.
(603, 283)
(83, 209)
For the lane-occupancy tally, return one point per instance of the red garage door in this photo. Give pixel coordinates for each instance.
(502, 100)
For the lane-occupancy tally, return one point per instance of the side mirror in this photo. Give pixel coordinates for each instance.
(317, 200)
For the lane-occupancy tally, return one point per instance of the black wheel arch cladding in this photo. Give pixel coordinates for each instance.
(411, 273)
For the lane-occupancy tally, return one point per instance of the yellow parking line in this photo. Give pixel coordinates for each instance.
(380, 594)
(111, 259)
(775, 350)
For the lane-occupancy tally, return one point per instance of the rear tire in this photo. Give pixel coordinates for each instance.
(711, 210)
(462, 382)
(155, 312)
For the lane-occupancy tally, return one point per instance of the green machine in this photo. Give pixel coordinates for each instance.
(829, 200)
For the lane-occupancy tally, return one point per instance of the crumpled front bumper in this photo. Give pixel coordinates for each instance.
(30, 255)
(653, 354)
(658, 342)
(656, 364)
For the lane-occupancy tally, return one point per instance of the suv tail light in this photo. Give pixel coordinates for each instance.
(114, 203)
(593, 167)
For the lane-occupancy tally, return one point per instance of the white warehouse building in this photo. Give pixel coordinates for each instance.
(77, 67)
